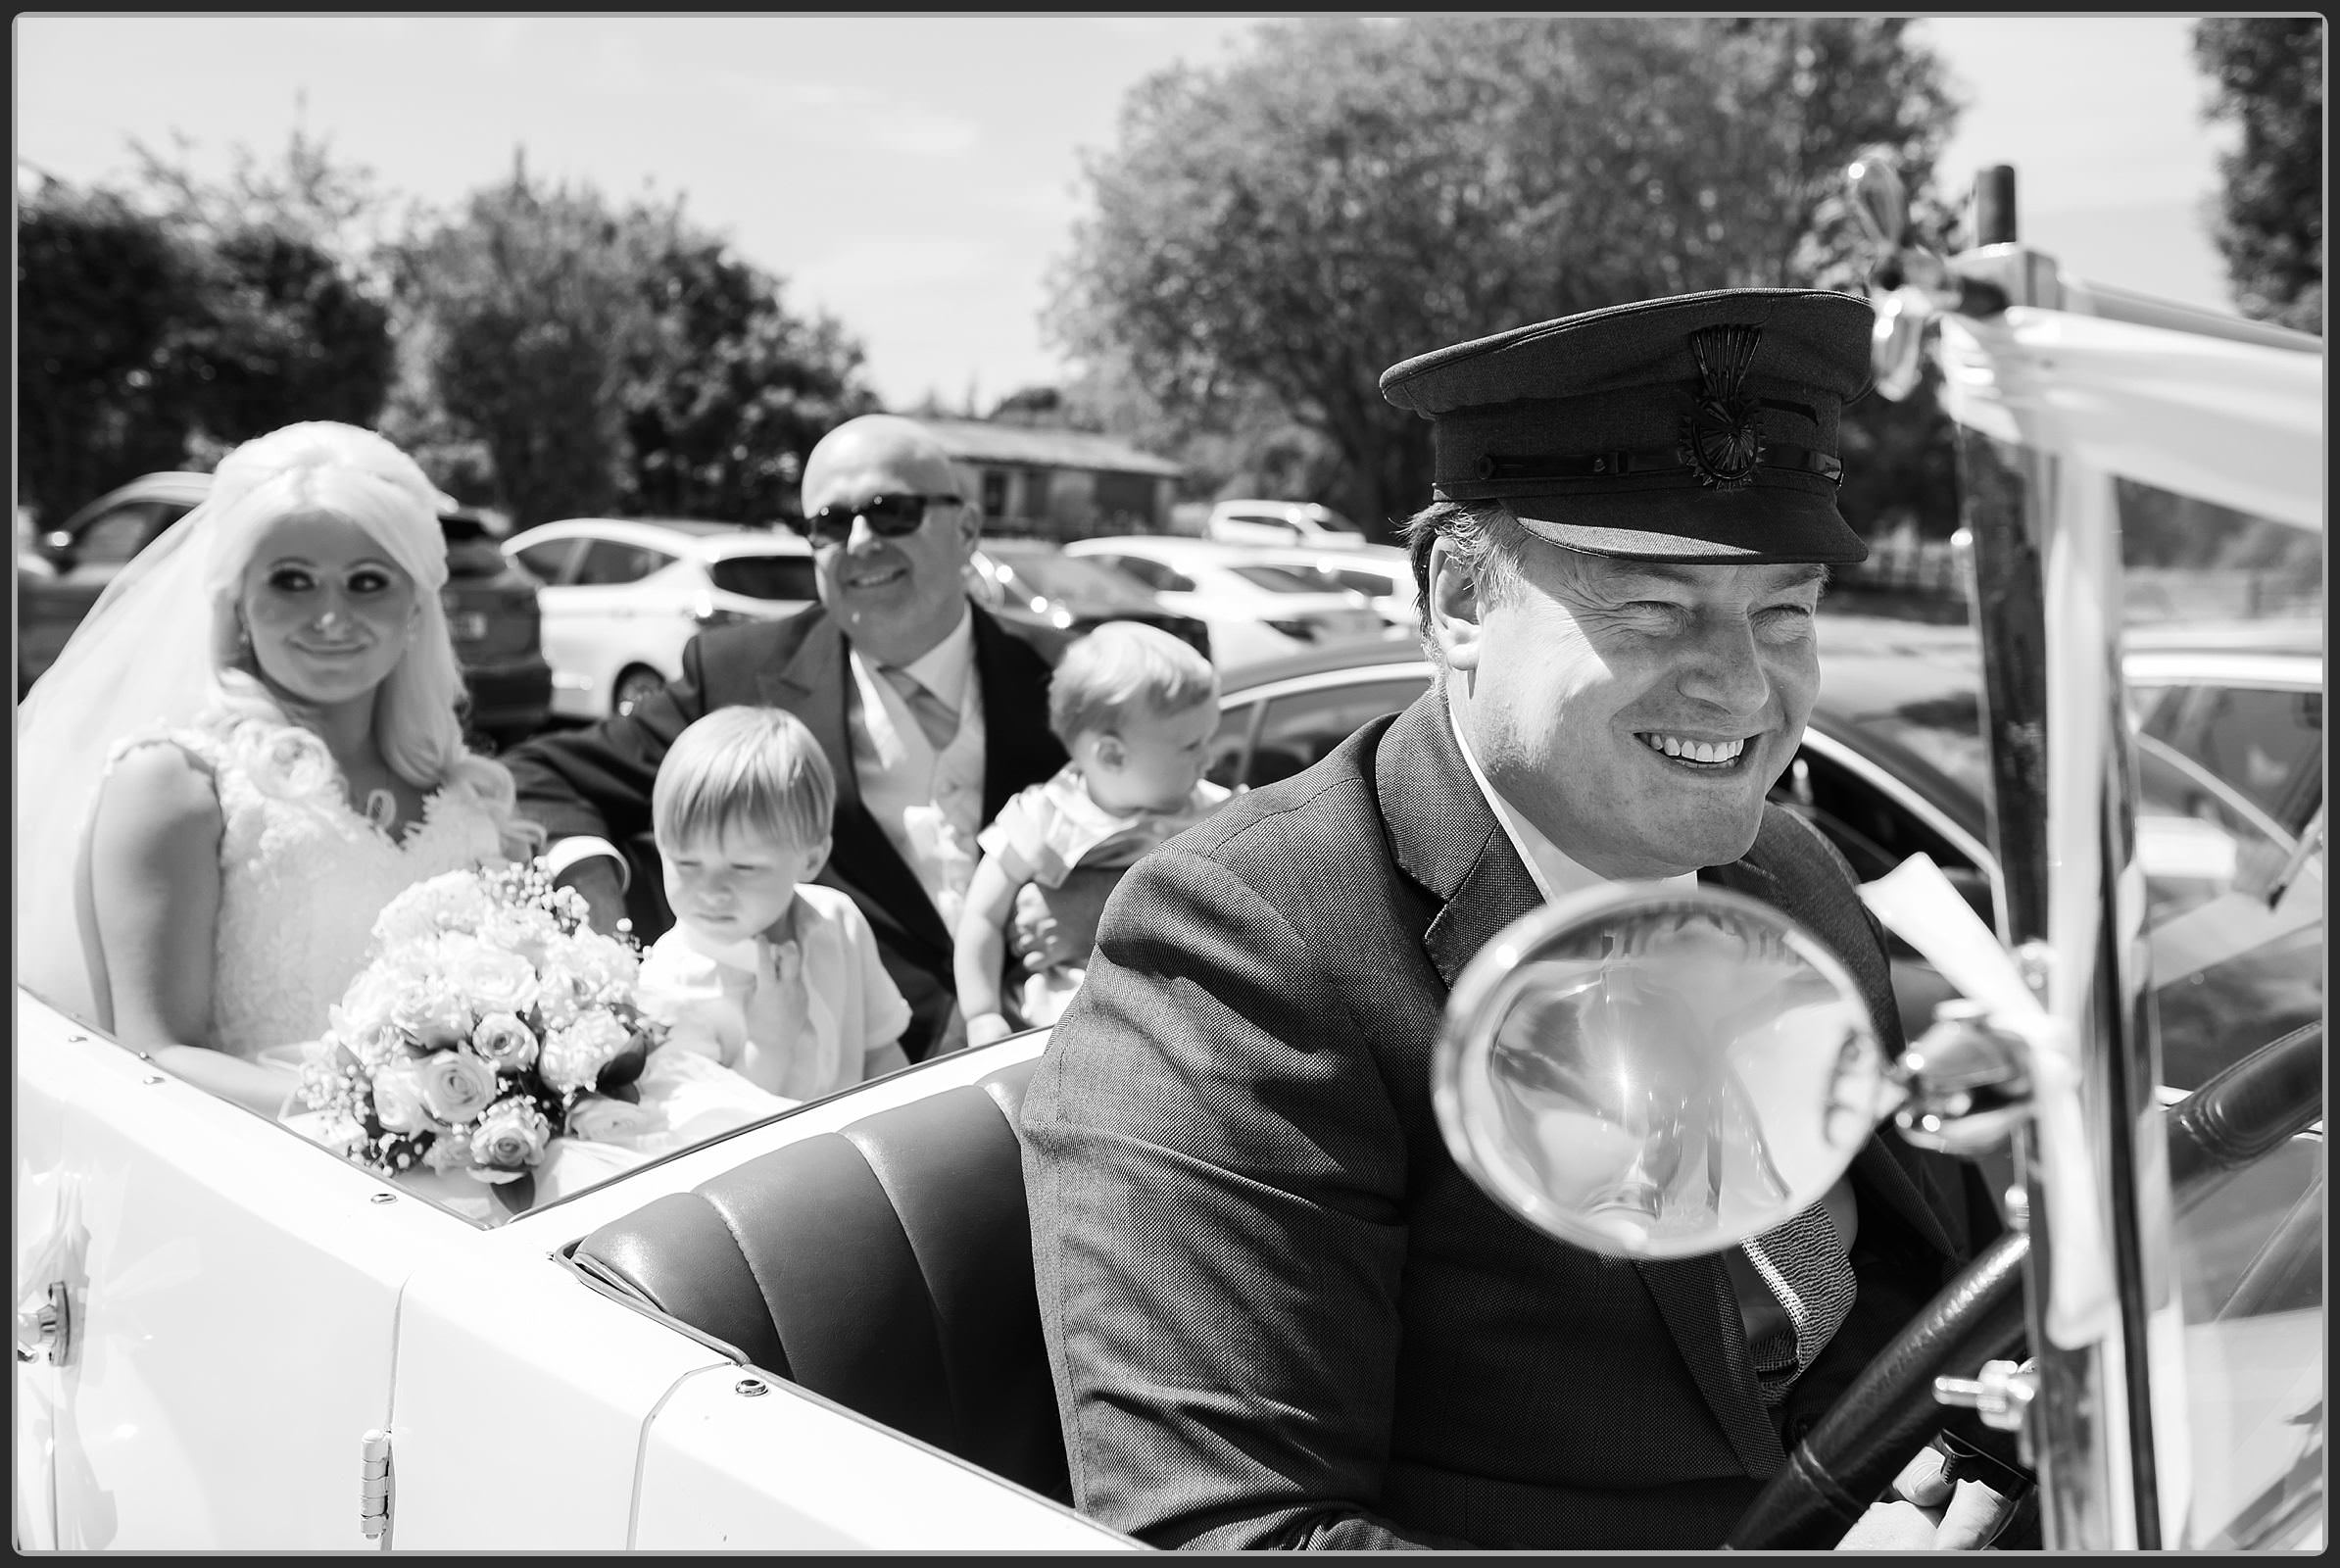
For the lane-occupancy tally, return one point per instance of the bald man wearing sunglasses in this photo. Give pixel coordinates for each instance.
(931, 711)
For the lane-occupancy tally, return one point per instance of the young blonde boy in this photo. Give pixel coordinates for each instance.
(1136, 708)
(775, 977)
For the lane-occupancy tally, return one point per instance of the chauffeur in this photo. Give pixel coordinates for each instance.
(1278, 1314)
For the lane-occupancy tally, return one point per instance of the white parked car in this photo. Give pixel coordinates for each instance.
(1382, 573)
(1281, 522)
(622, 596)
(1255, 609)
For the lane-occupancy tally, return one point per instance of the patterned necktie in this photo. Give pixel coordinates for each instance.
(1804, 1263)
(937, 718)
(775, 1013)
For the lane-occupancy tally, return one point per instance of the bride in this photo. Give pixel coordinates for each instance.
(248, 748)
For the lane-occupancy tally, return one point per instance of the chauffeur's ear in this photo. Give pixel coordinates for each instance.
(1454, 605)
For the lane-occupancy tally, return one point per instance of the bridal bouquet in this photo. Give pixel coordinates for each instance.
(490, 1018)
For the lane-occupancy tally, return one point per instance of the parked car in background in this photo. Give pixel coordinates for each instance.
(491, 608)
(1254, 610)
(624, 595)
(1033, 583)
(1280, 522)
(1382, 573)
(1894, 763)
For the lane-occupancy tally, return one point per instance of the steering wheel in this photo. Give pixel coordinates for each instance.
(1874, 1428)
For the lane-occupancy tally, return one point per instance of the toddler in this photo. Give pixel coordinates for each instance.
(770, 976)
(1136, 710)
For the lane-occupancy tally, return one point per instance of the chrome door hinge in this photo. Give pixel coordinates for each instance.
(46, 1332)
(373, 1484)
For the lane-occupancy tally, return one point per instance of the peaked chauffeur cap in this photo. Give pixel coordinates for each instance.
(1702, 427)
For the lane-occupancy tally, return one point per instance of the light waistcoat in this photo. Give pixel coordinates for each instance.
(929, 805)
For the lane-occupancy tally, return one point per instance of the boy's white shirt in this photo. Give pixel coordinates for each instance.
(851, 1004)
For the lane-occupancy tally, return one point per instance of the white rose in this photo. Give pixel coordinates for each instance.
(606, 1120)
(600, 966)
(456, 1085)
(574, 1056)
(365, 1007)
(431, 1011)
(454, 901)
(511, 1136)
(504, 1043)
(490, 980)
(447, 1152)
(398, 1098)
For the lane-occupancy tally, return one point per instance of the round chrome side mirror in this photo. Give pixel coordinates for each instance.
(1649, 1071)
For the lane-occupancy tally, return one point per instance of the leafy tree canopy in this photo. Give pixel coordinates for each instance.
(577, 357)
(1445, 177)
(101, 288)
(2268, 74)
(727, 395)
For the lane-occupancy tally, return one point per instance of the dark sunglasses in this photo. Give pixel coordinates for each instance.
(889, 517)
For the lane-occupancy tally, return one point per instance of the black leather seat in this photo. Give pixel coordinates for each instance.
(887, 1266)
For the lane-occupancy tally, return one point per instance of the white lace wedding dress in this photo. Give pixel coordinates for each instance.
(302, 878)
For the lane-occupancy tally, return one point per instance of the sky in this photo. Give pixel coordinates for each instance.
(918, 176)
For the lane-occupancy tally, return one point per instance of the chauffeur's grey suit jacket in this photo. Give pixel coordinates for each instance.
(597, 780)
(1279, 1314)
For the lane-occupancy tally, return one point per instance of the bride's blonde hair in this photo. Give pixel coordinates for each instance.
(359, 476)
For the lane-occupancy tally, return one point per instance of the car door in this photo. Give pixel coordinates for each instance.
(233, 1294)
(594, 622)
(1281, 729)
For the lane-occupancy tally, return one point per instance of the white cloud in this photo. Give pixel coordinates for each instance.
(853, 116)
(870, 270)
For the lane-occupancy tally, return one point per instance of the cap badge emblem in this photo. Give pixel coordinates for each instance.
(1719, 440)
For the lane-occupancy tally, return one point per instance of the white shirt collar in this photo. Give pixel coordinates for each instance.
(1554, 873)
(748, 952)
(943, 668)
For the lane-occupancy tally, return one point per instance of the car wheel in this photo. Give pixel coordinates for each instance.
(633, 685)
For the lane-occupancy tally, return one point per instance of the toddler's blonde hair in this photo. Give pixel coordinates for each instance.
(744, 767)
(1121, 669)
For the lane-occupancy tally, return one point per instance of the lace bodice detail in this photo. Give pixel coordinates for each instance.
(302, 878)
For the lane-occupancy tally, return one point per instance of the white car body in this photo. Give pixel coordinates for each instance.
(1280, 522)
(619, 611)
(1254, 609)
(247, 1307)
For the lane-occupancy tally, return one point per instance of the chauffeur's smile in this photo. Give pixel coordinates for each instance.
(1704, 755)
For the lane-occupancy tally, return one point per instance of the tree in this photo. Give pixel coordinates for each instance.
(1445, 177)
(101, 288)
(291, 321)
(534, 307)
(2268, 78)
(726, 396)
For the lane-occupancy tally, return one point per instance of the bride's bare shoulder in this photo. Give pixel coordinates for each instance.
(161, 783)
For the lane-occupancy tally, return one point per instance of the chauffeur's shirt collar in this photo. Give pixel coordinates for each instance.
(1555, 874)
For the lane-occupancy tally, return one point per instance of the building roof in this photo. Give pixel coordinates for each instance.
(982, 441)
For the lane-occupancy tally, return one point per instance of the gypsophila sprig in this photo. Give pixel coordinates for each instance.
(489, 1019)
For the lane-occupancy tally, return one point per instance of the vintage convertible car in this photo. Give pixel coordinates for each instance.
(818, 1332)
